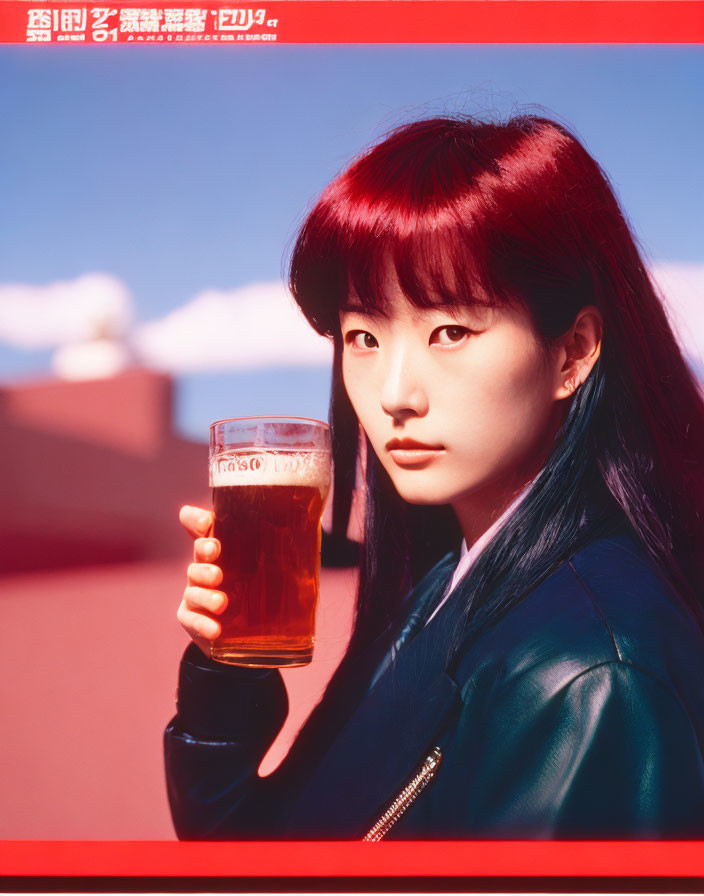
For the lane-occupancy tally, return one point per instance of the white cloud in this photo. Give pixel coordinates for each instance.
(36, 317)
(252, 327)
(255, 326)
(259, 326)
(682, 287)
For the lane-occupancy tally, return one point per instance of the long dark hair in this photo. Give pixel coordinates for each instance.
(512, 213)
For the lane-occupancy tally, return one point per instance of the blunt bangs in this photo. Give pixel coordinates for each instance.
(428, 216)
(463, 213)
(466, 212)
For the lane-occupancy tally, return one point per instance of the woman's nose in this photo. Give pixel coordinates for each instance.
(403, 393)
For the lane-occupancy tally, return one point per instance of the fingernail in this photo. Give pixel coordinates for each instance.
(209, 549)
(204, 520)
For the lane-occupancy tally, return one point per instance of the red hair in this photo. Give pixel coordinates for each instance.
(519, 213)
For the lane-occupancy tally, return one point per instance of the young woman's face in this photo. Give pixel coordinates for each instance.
(458, 404)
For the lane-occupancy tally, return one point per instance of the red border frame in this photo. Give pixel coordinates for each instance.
(435, 21)
(71, 858)
(398, 21)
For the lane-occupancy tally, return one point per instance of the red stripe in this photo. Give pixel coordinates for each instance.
(505, 859)
(435, 21)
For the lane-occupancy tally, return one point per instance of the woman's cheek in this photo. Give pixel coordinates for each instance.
(523, 417)
(349, 383)
(359, 393)
(507, 417)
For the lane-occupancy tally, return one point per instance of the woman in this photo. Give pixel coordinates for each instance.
(528, 658)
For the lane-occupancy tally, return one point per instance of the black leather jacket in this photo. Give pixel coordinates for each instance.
(580, 714)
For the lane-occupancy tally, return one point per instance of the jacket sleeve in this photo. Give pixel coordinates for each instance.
(227, 718)
(610, 753)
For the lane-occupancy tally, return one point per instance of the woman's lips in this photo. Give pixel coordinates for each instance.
(411, 454)
(406, 457)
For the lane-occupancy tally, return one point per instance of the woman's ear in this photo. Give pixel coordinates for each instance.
(579, 349)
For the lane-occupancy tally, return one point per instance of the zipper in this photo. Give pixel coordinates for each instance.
(418, 783)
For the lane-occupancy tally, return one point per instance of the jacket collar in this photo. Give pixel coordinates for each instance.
(418, 606)
(408, 702)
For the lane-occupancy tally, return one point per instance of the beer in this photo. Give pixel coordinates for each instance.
(268, 507)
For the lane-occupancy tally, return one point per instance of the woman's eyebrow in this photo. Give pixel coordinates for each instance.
(355, 308)
(475, 310)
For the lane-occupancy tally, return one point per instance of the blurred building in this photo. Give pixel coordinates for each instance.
(92, 472)
(93, 565)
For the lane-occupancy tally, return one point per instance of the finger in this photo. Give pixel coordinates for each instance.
(198, 625)
(199, 599)
(196, 520)
(207, 575)
(206, 549)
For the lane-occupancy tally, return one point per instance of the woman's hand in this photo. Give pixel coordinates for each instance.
(201, 602)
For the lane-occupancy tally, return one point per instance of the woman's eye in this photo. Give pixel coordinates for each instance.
(449, 335)
(362, 339)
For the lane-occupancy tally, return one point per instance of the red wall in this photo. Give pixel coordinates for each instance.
(92, 569)
(92, 472)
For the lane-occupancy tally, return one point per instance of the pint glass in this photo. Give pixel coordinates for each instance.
(270, 477)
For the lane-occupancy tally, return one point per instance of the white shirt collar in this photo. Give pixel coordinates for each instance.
(468, 556)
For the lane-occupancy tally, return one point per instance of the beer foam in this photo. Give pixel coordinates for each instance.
(252, 467)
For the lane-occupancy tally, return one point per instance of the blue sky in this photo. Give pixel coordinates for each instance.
(179, 170)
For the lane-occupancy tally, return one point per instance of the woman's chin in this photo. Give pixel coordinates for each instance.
(423, 496)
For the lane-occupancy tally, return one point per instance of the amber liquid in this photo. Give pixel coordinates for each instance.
(270, 558)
